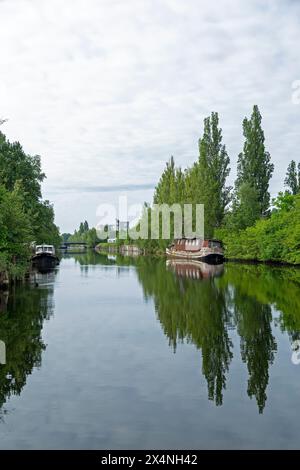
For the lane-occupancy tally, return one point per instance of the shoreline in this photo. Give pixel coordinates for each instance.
(136, 251)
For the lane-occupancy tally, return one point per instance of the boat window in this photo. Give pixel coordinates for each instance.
(215, 244)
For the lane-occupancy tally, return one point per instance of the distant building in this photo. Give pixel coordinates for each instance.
(110, 230)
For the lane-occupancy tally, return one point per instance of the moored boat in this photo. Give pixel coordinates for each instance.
(210, 250)
(45, 257)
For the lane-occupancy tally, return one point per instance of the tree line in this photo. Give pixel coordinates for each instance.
(230, 211)
(25, 218)
(83, 234)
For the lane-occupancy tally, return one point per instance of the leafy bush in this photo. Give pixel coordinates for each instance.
(274, 239)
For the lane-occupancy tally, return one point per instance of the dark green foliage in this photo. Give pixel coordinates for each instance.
(214, 166)
(83, 227)
(15, 166)
(254, 163)
(245, 208)
(276, 238)
(21, 330)
(85, 234)
(206, 179)
(24, 216)
(247, 227)
(15, 231)
(65, 237)
(203, 183)
(292, 180)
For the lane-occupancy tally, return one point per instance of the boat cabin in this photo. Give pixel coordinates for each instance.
(45, 249)
(195, 244)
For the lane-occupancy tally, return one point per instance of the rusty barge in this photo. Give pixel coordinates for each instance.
(209, 250)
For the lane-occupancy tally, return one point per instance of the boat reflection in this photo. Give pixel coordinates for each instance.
(194, 269)
(42, 278)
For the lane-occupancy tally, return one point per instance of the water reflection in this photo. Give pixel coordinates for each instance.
(197, 304)
(194, 269)
(211, 307)
(21, 320)
(205, 304)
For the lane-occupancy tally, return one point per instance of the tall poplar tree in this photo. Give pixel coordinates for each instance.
(254, 163)
(165, 191)
(292, 180)
(206, 180)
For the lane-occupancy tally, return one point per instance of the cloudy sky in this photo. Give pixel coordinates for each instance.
(106, 90)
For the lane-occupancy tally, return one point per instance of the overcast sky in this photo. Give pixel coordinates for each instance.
(106, 90)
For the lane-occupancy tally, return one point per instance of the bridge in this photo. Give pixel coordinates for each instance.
(66, 245)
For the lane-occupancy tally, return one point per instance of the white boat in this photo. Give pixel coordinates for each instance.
(45, 257)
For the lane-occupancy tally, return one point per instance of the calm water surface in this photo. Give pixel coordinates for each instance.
(117, 353)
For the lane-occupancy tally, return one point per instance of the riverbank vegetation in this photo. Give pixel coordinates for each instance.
(83, 234)
(25, 218)
(275, 238)
(251, 225)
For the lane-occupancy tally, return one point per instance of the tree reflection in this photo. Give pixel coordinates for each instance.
(201, 304)
(186, 311)
(202, 309)
(257, 344)
(20, 329)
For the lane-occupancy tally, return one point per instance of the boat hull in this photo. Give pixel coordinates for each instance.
(45, 261)
(210, 256)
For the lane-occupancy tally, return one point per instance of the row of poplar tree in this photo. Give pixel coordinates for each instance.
(206, 181)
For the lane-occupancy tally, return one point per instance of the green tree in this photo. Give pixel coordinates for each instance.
(45, 230)
(292, 180)
(206, 180)
(245, 208)
(276, 238)
(16, 165)
(254, 163)
(81, 228)
(17, 169)
(65, 236)
(15, 231)
(91, 237)
(216, 161)
(165, 191)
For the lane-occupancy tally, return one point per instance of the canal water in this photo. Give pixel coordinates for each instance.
(141, 353)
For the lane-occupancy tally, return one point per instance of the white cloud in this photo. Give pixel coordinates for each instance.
(107, 90)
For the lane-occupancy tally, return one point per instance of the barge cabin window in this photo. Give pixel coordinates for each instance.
(215, 244)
